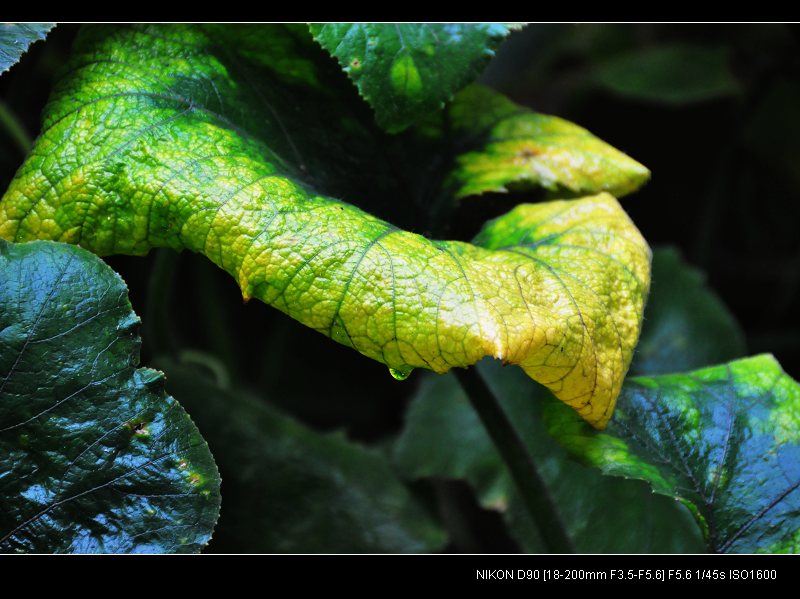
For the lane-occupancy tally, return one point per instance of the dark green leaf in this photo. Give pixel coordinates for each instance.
(94, 456)
(15, 39)
(675, 74)
(444, 438)
(686, 325)
(291, 489)
(723, 440)
(405, 70)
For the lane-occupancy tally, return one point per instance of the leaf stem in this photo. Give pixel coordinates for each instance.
(215, 316)
(11, 123)
(159, 332)
(523, 471)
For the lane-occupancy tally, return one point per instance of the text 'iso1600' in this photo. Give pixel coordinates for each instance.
(617, 574)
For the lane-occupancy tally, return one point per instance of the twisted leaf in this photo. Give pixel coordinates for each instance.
(158, 139)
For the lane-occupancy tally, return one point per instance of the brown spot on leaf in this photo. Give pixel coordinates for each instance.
(138, 428)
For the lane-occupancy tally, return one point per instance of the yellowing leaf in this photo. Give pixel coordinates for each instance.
(522, 148)
(139, 151)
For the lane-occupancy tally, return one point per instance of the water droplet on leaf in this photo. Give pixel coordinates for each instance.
(400, 375)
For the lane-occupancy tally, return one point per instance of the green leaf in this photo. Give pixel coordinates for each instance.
(94, 456)
(676, 74)
(504, 147)
(15, 39)
(443, 437)
(289, 489)
(724, 440)
(686, 325)
(152, 142)
(405, 70)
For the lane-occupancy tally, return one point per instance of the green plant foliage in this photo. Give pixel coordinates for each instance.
(15, 39)
(289, 489)
(671, 74)
(168, 137)
(444, 438)
(686, 325)
(724, 440)
(406, 70)
(252, 145)
(519, 149)
(94, 456)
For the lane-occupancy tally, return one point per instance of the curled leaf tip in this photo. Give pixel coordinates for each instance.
(522, 149)
(557, 288)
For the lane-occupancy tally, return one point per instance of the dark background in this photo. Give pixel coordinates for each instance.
(712, 110)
